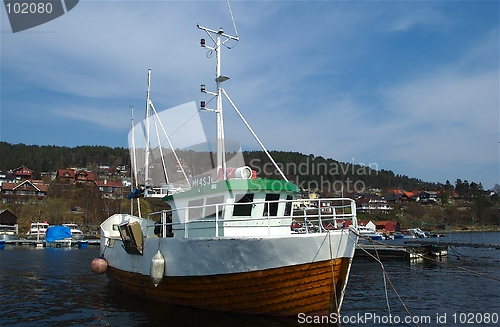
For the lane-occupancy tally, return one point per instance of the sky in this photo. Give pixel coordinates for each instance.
(407, 86)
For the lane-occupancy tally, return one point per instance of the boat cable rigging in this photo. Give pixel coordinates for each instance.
(386, 278)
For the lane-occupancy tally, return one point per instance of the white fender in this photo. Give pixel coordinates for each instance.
(157, 268)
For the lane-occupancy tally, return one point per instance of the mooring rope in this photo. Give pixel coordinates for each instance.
(386, 276)
(435, 260)
(334, 289)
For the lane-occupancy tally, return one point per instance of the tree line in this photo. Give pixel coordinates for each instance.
(87, 207)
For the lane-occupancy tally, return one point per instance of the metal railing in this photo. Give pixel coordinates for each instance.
(303, 216)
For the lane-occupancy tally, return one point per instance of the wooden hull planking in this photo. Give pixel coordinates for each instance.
(314, 287)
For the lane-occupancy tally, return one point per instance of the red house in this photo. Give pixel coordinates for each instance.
(22, 192)
(388, 226)
(73, 176)
(23, 173)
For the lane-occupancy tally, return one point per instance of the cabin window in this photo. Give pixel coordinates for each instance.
(271, 206)
(211, 207)
(288, 207)
(195, 209)
(243, 206)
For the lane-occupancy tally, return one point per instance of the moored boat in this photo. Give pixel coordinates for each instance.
(368, 232)
(226, 241)
(37, 231)
(8, 232)
(76, 233)
(58, 237)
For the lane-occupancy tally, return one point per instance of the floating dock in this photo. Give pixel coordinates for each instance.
(36, 243)
(399, 252)
(444, 243)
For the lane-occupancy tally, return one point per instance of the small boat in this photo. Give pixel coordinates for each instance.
(413, 233)
(8, 232)
(397, 235)
(225, 241)
(37, 231)
(58, 237)
(368, 232)
(76, 233)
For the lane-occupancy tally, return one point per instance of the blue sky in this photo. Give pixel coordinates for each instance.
(410, 86)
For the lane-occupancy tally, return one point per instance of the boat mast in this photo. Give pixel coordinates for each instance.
(219, 78)
(146, 157)
(221, 153)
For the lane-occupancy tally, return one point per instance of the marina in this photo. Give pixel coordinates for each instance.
(21, 242)
(33, 280)
(457, 244)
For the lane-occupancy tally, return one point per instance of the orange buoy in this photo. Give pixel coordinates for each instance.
(99, 266)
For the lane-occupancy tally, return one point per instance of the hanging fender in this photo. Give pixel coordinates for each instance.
(157, 268)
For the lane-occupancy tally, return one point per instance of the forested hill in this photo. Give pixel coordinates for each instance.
(51, 158)
(307, 171)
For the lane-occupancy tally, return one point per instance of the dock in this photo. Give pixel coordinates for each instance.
(399, 251)
(20, 242)
(424, 242)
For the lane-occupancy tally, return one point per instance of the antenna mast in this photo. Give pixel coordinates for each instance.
(221, 153)
(217, 37)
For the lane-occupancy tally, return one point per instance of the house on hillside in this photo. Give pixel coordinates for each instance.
(388, 226)
(23, 191)
(23, 173)
(75, 176)
(7, 177)
(111, 189)
(367, 223)
(372, 204)
(400, 197)
(428, 197)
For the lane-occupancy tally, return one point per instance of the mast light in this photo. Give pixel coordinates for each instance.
(202, 104)
(202, 43)
(202, 88)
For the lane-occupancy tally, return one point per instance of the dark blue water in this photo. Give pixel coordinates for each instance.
(55, 287)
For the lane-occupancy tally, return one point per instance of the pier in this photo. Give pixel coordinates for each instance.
(424, 242)
(399, 251)
(37, 243)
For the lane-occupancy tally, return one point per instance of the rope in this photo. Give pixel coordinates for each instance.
(334, 289)
(435, 260)
(386, 277)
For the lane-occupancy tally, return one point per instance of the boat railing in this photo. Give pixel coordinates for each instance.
(302, 216)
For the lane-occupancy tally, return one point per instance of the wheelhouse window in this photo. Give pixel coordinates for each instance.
(243, 206)
(271, 206)
(211, 207)
(288, 207)
(195, 209)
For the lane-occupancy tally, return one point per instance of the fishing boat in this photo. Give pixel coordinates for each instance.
(37, 231)
(225, 241)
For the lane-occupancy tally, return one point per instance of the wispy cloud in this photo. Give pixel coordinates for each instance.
(412, 86)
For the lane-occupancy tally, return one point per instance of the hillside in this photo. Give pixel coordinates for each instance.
(307, 171)
(461, 204)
